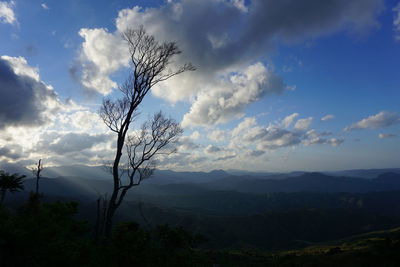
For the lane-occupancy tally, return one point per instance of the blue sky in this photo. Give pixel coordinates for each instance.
(294, 85)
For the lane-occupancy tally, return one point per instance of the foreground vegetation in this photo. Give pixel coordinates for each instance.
(47, 234)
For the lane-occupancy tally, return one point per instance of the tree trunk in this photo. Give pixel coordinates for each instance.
(2, 197)
(98, 223)
(109, 218)
(37, 185)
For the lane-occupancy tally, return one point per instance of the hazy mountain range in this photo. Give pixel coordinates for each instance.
(238, 209)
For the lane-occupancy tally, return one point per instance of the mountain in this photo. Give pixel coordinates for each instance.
(313, 182)
(364, 173)
(165, 183)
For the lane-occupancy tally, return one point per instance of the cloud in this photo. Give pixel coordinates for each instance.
(44, 6)
(249, 134)
(380, 120)
(244, 125)
(287, 121)
(230, 36)
(24, 98)
(102, 54)
(303, 124)
(211, 149)
(387, 135)
(226, 101)
(62, 144)
(327, 117)
(7, 14)
(186, 143)
(10, 152)
(217, 135)
(396, 22)
(256, 153)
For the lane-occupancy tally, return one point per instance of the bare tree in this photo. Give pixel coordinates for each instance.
(150, 62)
(37, 171)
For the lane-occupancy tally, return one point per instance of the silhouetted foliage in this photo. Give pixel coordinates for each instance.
(10, 183)
(48, 234)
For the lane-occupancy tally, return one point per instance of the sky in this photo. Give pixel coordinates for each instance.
(279, 85)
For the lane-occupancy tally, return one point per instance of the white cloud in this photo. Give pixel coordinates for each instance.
(396, 22)
(217, 135)
(249, 134)
(287, 121)
(230, 35)
(386, 135)
(303, 124)
(102, 54)
(327, 117)
(21, 67)
(82, 120)
(7, 14)
(195, 135)
(240, 4)
(227, 100)
(335, 141)
(44, 6)
(380, 120)
(246, 124)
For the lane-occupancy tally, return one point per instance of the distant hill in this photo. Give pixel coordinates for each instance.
(168, 176)
(308, 182)
(313, 182)
(364, 173)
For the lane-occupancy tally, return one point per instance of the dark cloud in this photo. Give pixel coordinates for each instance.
(223, 30)
(23, 99)
(11, 152)
(210, 149)
(256, 153)
(226, 157)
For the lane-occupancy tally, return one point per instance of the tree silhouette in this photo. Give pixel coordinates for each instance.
(150, 62)
(37, 172)
(11, 183)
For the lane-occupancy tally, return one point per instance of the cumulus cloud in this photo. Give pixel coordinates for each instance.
(229, 37)
(396, 22)
(7, 14)
(102, 53)
(288, 120)
(217, 135)
(312, 137)
(228, 100)
(248, 133)
(24, 98)
(327, 117)
(211, 149)
(303, 124)
(380, 120)
(386, 135)
(247, 140)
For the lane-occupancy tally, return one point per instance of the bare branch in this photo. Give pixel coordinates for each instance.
(150, 63)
